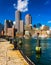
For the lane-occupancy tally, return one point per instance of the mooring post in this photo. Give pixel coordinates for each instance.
(38, 47)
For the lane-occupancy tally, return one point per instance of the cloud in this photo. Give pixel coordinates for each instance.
(22, 5)
(49, 21)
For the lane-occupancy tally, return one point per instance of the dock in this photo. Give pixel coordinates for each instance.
(11, 57)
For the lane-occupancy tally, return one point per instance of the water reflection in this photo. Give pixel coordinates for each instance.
(44, 58)
(44, 45)
(38, 56)
(27, 49)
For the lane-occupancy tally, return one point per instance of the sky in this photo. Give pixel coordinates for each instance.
(40, 10)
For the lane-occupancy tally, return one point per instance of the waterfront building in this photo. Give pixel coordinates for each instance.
(2, 33)
(28, 19)
(28, 27)
(49, 33)
(7, 24)
(10, 32)
(20, 34)
(10, 24)
(5, 27)
(17, 20)
(21, 26)
(44, 27)
(1, 27)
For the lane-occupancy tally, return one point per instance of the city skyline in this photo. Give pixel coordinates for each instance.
(40, 10)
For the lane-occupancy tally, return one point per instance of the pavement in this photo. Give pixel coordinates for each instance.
(9, 56)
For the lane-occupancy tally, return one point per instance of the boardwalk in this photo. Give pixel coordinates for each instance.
(9, 56)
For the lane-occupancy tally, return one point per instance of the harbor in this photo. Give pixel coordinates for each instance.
(29, 49)
(25, 32)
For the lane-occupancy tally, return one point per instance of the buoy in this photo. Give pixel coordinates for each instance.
(38, 49)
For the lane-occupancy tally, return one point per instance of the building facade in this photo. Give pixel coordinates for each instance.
(10, 32)
(28, 19)
(44, 28)
(5, 28)
(7, 24)
(21, 26)
(17, 20)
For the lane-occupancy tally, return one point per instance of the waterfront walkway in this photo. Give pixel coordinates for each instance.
(9, 56)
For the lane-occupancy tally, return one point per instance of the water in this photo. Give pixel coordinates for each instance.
(44, 58)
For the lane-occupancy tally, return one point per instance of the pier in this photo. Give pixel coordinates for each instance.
(11, 57)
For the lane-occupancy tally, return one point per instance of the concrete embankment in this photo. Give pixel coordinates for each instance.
(12, 57)
(26, 58)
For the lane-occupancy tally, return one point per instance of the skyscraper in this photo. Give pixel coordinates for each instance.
(21, 26)
(17, 20)
(28, 19)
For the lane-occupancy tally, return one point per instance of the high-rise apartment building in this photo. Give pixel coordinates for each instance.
(28, 19)
(17, 20)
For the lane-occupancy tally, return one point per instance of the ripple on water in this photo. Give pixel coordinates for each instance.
(39, 59)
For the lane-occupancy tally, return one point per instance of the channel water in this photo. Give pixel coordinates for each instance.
(28, 47)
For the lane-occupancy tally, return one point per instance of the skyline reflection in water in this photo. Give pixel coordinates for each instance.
(44, 58)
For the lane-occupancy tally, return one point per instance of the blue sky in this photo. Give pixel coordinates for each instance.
(40, 10)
